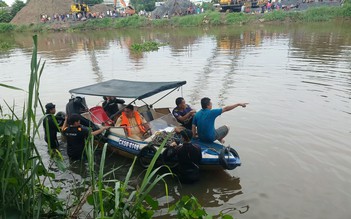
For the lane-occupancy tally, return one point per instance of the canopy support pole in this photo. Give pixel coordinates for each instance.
(151, 105)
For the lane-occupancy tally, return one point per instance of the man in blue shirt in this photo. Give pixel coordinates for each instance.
(183, 113)
(203, 122)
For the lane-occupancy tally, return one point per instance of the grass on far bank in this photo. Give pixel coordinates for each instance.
(210, 18)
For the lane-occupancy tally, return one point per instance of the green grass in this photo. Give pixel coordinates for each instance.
(160, 23)
(275, 16)
(346, 9)
(6, 27)
(214, 18)
(108, 23)
(187, 21)
(321, 14)
(4, 46)
(237, 18)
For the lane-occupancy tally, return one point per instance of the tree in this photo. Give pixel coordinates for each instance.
(5, 16)
(3, 4)
(147, 5)
(16, 7)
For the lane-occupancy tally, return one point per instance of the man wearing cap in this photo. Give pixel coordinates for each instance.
(110, 105)
(51, 127)
(76, 135)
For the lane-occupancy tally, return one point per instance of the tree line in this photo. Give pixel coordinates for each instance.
(7, 13)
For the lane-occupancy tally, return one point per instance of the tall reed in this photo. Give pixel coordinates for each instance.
(114, 198)
(23, 175)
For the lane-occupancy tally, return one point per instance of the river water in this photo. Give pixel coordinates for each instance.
(293, 138)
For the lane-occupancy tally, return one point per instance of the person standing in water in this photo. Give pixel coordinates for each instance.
(51, 127)
(76, 135)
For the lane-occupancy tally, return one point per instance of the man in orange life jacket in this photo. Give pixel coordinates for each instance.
(134, 123)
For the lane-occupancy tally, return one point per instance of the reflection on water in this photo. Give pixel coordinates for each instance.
(202, 80)
(95, 65)
(220, 192)
(293, 138)
(214, 193)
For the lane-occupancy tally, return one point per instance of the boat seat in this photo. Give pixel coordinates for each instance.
(99, 116)
(118, 131)
(160, 112)
(146, 113)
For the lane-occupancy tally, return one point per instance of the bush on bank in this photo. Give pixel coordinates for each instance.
(6, 27)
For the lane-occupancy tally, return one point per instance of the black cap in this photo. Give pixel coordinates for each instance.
(49, 106)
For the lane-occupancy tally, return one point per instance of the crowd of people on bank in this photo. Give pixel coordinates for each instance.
(84, 16)
(263, 6)
(115, 13)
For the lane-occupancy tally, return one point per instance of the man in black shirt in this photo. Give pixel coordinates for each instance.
(51, 127)
(76, 135)
(110, 105)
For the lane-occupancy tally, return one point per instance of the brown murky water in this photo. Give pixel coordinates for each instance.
(293, 138)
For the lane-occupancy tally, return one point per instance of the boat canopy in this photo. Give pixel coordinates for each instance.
(127, 89)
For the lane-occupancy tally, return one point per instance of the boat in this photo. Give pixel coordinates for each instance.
(160, 120)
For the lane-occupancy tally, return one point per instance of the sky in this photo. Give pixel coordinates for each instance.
(10, 2)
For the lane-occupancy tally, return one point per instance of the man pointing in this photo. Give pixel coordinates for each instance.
(203, 122)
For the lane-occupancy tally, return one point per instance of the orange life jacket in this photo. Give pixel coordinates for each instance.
(125, 122)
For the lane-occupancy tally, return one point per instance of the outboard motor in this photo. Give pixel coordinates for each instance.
(60, 118)
(77, 105)
(189, 157)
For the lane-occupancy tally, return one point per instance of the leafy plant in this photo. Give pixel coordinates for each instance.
(5, 16)
(146, 46)
(188, 207)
